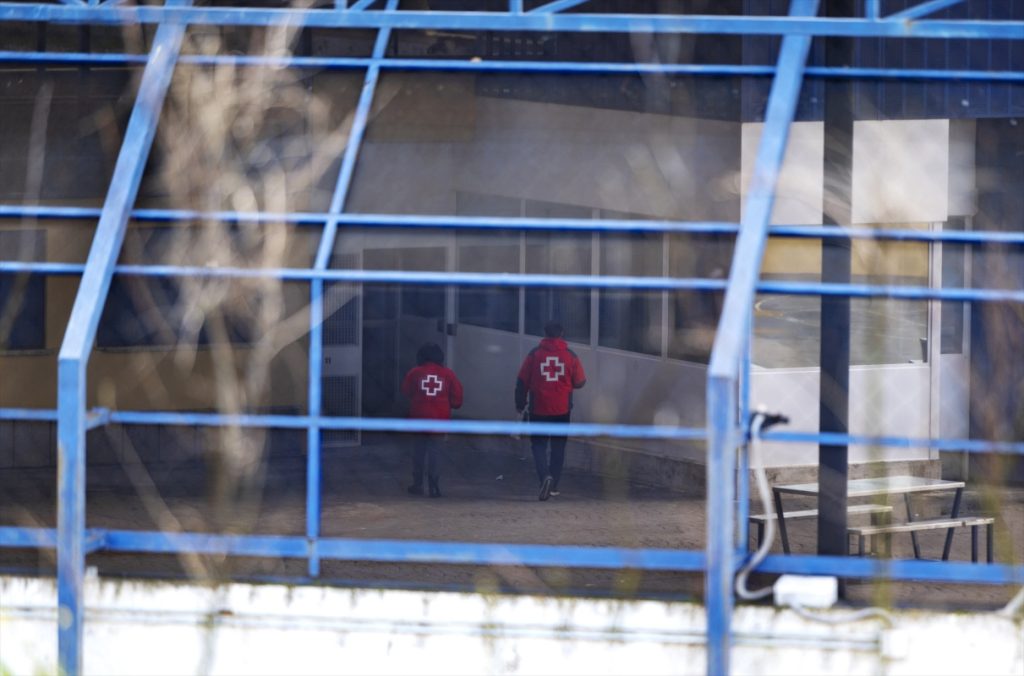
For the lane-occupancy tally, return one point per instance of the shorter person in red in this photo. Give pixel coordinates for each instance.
(547, 378)
(433, 391)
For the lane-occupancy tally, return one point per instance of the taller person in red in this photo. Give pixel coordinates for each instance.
(433, 391)
(547, 378)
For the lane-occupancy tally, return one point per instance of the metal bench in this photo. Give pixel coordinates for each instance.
(759, 520)
(947, 523)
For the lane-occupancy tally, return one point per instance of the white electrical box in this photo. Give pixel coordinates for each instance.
(806, 591)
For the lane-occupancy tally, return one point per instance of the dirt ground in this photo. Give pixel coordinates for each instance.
(487, 498)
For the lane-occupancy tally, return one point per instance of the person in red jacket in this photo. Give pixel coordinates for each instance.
(547, 378)
(433, 391)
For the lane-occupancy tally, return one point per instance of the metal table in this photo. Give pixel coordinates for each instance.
(891, 485)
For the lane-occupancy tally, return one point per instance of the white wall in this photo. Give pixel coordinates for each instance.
(141, 628)
(622, 387)
(657, 165)
(884, 401)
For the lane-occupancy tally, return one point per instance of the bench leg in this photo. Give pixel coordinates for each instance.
(988, 541)
(913, 534)
(860, 545)
(955, 512)
(760, 534)
(974, 544)
(781, 521)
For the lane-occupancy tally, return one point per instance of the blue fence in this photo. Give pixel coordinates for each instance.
(727, 396)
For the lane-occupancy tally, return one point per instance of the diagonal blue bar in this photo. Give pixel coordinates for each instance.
(557, 6)
(316, 306)
(924, 9)
(348, 163)
(731, 337)
(81, 332)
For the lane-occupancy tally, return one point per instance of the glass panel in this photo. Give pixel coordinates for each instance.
(695, 314)
(630, 319)
(22, 297)
(490, 307)
(954, 257)
(558, 253)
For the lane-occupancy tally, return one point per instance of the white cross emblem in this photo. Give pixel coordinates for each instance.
(552, 369)
(431, 385)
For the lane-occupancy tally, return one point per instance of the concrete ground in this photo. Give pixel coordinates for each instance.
(488, 497)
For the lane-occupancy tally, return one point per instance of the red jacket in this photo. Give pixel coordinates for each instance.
(433, 391)
(550, 372)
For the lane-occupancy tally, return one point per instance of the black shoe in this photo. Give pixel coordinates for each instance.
(435, 490)
(415, 489)
(545, 488)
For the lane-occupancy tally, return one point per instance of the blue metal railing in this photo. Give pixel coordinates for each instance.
(730, 359)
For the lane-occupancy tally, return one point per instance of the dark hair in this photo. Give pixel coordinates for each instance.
(553, 329)
(430, 352)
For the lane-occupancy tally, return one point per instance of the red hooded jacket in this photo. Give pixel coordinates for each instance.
(433, 391)
(549, 373)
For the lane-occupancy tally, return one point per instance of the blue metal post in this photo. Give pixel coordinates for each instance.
(79, 337)
(721, 473)
(733, 336)
(316, 308)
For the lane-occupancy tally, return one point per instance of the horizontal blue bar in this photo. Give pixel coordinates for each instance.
(482, 65)
(940, 444)
(404, 551)
(509, 427)
(898, 234)
(495, 223)
(535, 280)
(28, 538)
(28, 414)
(504, 21)
(502, 427)
(392, 551)
(890, 291)
(467, 553)
(894, 569)
(386, 276)
(407, 425)
(155, 542)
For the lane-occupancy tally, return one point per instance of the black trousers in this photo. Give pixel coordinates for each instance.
(426, 449)
(539, 443)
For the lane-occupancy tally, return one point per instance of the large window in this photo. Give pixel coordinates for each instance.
(22, 297)
(882, 330)
(954, 257)
(494, 307)
(631, 319)
(558, 253)
(694, 314)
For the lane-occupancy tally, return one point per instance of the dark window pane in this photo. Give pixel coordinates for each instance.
(631, 319)
(952, 326)
(489, 307)
(22, 297)
(558, 254)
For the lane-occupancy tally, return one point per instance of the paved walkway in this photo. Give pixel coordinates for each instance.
(488, 497)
